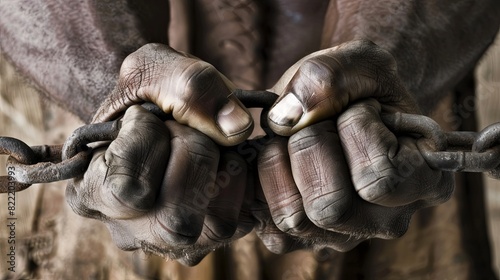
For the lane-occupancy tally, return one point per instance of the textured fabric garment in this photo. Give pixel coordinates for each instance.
(444, 242)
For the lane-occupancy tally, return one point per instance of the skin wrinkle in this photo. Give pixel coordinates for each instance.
(174, 232)
(378, 215)
(219, 228)
(378, 176)
(353, 160)
(317, 174)
(192, 81)
(373, 185)
(345, 215)
(282, 217)
(300, 226)
(306, 99)
(286, 201)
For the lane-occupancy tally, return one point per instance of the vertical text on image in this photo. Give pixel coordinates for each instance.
(11, 219)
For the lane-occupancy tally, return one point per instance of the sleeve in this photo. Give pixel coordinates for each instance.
(71, 51)
(435, 43)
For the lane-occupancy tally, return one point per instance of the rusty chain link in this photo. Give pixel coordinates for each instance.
(448, 151)
(457, 151)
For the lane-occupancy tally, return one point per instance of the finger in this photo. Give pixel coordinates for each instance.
(283, 198)
(123, 181)
(329, 199)
(322, 84)
(280, 242)
(286, 202)
(193, 91)
(246, 220)
(387, 170)
(224, 209)
(188, 185)
(272, 237)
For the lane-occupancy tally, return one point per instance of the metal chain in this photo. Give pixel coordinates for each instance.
(448, 151)
(457, 151)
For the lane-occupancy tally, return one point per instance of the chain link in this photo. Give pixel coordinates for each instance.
(457, 151)
(448, 151)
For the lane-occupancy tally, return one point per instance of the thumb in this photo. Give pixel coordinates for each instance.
(323, 84)
(193, 91)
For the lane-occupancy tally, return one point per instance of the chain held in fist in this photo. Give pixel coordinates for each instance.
(447, 151)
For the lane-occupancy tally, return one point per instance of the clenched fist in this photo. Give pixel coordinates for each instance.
(342, 176)
(192, 90)
(332, 174)
(165, 188)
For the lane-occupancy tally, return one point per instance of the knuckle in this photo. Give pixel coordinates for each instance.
(328, 211)
(80, 205)
(272, 153)
(376, 177)
(294, 222)
(193, 140)
(202, 150)
(139, 69)
(200, 85)
(317, 75)
(311, 136)
(368, 51)
(124, 197)
(278, 243)
(375, 190)
(198, 78)
(132, 72)
(180, 226)
(319, 70)
(219, 230)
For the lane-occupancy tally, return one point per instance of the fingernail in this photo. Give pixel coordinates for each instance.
(287, 112)
(232, 119)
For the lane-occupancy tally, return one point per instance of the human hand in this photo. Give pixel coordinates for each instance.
(193, 91)
(165, 188)
(337, 183)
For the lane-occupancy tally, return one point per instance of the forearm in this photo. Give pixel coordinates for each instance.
(72, 50)
(435, 43)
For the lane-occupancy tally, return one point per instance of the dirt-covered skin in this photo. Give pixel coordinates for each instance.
(328, 180)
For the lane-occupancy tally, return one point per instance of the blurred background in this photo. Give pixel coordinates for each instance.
(23, 114)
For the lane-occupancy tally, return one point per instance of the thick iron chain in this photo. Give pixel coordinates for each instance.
(457, 151)
(448, 151)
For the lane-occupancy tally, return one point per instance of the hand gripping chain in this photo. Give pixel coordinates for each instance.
(447, 151)
(51, 163)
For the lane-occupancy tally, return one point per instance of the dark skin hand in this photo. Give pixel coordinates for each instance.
(168, 188)
(317, 185)
(339, 182)
(165, 188)
(335, 176)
